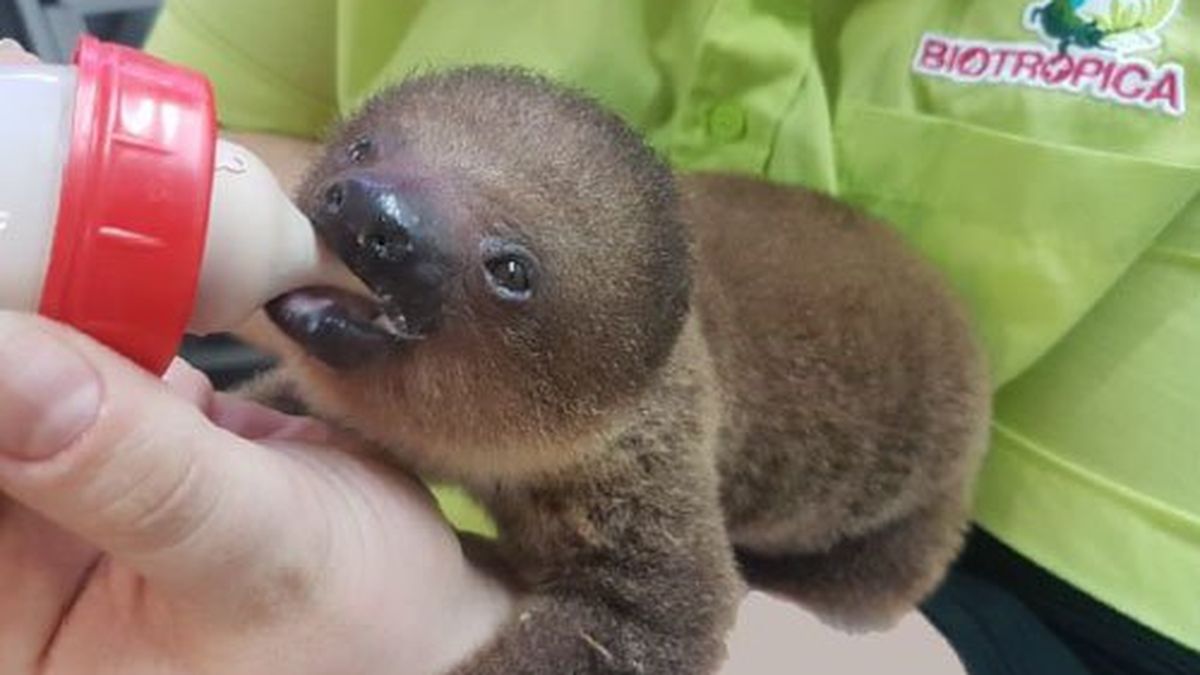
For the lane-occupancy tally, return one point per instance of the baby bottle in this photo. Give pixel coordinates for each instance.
(121, 213)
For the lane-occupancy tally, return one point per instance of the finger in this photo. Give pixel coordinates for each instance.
(110, 453)
(189, 384)
(257, 422)
(245, 418)
(11, 53)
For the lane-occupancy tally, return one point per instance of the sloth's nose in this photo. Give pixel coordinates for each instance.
(379, 221)
(392, 240)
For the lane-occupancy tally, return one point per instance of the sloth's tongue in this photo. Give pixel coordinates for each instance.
(338, 327)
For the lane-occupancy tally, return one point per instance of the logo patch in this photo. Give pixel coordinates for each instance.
(1094, 48)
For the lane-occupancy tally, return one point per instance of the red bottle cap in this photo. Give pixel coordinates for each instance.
(133, 211)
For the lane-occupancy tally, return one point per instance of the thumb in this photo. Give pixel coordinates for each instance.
(107, 451)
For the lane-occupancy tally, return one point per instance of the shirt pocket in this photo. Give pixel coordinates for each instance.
(1031, 233)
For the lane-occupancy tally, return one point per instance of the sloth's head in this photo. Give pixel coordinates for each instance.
(528, 272)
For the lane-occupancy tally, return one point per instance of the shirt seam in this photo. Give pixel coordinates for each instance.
(1177, 520)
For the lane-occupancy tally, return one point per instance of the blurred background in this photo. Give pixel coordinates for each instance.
(50, 29)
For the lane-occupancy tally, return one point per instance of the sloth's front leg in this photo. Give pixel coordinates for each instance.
(623, 576)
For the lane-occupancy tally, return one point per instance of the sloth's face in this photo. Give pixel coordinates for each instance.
(524, 264)
(435, 257)
(426, 257)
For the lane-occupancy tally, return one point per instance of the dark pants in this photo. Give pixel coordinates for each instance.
(1006, 616)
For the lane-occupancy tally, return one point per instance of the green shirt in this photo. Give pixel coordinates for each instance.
(1056, 191)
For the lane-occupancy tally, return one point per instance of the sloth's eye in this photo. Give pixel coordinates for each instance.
(510, 270)
(510, 273)
(510, 276)
(361, 150)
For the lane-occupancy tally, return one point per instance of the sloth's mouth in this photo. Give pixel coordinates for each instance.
(385, 289)
(339, 327)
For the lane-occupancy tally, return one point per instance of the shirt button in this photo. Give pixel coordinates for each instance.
(727, 122)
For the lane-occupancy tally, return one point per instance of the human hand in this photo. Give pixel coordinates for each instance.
(160, 527)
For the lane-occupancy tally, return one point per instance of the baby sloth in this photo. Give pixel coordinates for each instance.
(650, 392)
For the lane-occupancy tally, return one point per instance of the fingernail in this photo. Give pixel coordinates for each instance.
(48, 394)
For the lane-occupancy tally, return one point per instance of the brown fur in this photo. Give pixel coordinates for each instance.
(813, 397)
(854, 396)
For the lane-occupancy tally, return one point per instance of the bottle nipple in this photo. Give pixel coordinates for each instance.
(259, 245)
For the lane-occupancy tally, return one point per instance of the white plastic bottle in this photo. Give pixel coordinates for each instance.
(123, 215)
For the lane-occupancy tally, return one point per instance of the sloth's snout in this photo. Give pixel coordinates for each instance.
(375, 218)
(388, 236)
